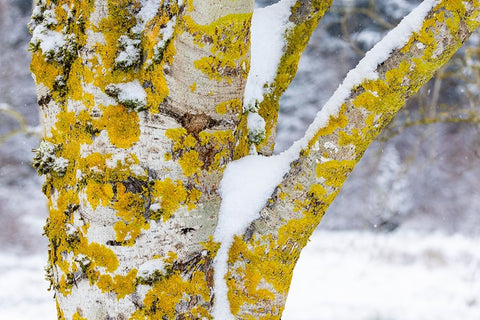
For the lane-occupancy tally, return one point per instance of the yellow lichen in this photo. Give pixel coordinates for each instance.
(221, 143)
(334, 122)
(193, 87)
(99, 254)
(298, 187)
(228, 39)
(266, 264)
(120, 285)
(335, 172)
(171, 196)
(121, 125)
(215, 68)
(318, 191)
(211, 246)
(129, 207)
(98, 193)
(177, 135)
(234, 106)
(162, 299)
(190, 163)
(77, 316)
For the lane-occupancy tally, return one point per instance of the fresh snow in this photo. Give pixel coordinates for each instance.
(49, 18)
(48, 40)
(60, 165)
(340, 275)
(130, 52)
(351, 279)
(256, 126)
(246, 186)
(149, 267)
(23, 288)
(147, 13)
(266, 48)
(167, 34)
(131, 93)
(46, 159)
(396, 276)
(366, 68)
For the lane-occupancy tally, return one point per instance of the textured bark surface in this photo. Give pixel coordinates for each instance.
(142, 108)
(304, 18)
(140, 112)
(299, 202)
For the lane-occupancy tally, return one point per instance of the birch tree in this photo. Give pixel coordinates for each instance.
(165, 201)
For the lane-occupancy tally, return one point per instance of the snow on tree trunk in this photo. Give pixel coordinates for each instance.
(140, 102)
(143, 107)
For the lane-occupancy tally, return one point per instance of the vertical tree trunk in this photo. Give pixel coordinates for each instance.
(140, 101)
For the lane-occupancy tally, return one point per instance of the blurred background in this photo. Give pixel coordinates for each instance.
(402, 239)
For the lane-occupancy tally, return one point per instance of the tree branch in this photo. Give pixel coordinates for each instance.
(263, 91)
(22, 123)
(367, 100)
(343, 129)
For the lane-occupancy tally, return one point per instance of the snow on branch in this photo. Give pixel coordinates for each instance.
(299, 184)
(280, 34)
(367, 100)
(260, 175)
(267, 42)
(367, 68)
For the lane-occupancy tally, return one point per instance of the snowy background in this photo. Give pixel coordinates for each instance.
(401, 241)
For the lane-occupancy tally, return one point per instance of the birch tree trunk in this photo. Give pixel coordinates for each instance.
(143, 107)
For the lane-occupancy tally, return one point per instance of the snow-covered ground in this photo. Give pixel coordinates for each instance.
(365, 276)
(23, 288)
(341, 275)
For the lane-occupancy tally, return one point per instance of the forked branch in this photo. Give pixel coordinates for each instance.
(363, 105)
